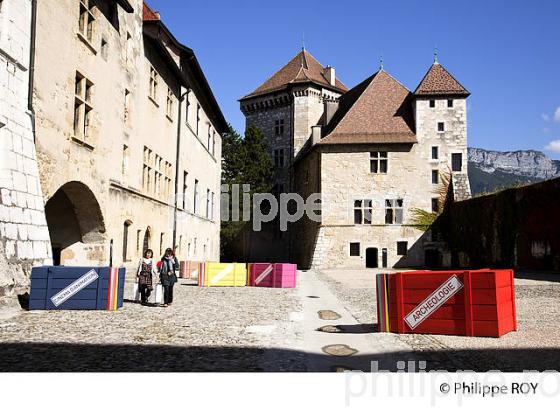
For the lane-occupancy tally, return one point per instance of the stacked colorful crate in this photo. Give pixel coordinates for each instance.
(272, 275)
(471, 303)
(76, 288)
(212, 274)
(189, 269)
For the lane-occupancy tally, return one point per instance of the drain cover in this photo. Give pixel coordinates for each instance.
(329, 329)
(328, 315)
(339, 350)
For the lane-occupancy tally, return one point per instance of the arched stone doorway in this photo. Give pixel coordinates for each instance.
(76, 226)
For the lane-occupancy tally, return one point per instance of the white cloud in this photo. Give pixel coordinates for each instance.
(553, 146)
(545, 117)
(557, 115)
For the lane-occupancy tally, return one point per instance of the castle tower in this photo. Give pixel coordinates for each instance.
(440, 106)
(285, 107)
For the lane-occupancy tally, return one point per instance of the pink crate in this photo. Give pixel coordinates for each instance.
(272, 275)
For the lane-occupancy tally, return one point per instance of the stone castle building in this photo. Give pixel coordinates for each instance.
(24, 237)
(376, 153)
(128, 135)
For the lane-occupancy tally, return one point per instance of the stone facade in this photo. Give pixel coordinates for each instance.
(24, 237)
(108, 104)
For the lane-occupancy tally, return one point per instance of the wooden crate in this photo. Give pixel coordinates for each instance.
(50, 285)
(189, 269)
(484, 305)
(222, 274)
(272, 275)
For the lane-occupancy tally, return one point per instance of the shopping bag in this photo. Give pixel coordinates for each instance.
(136, 292)
(158, 294)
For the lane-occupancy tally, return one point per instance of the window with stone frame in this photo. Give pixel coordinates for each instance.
(402, 248)
(378, 162)
(185, 189)
(147, 178)
(393, 211)
(279, 158)
(441, 127)
(207, 204)
(86, 21)
(435, 205)
(432, 103)
(354, 248)
(209, 143)
(435, 176)
(82, 107)
(170, 104)
(363, 211)
(435, 152)
(195, 202)
(213, 142)
(197, 119)
(279, 127)
(154, 82)
(456, 162)
(450, 103)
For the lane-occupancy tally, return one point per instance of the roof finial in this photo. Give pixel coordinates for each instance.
(436, 56)
(381, 65)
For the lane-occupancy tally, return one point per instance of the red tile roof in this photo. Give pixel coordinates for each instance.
(438, 81)
(149, 15)
(303, 68)
(378, 110)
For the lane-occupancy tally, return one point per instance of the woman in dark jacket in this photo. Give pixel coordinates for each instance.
(167, 276)
(146, 270)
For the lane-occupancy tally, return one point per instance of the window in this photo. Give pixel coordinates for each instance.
(402, 248)
(279, 158)
(435, 176)
(457, 162)
(161, 242)
(147, 180)
(378, 162)
(125, 240)
(185, 177)
(125, 155)
(104, 49)
(82, 107)
(197, 118)
(393, 211)
(432, 103)
(154, 79)
(169, 106)
(213, 142)
(279, 127)
(126, 105)
(138, 236)
(207, 204)
(355, 249)
(435, 152)
(195, 204)
(435, 205)
(209, 146)
(87, 19)
(440, 127)
(363, 211)
(449, 103)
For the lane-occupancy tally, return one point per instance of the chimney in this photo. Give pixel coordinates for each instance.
(330, 108)
(330, 75)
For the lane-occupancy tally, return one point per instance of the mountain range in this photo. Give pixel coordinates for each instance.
(490, 171)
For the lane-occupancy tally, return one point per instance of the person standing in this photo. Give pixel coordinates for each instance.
(167, 276)
(146, 271)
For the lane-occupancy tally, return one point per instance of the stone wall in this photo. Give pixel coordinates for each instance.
(24, 237)
(515, 228)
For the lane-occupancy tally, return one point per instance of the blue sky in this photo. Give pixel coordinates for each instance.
(506, 53)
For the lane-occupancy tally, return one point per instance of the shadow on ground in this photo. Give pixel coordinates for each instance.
(38, 357)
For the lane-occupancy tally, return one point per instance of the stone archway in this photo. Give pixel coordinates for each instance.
(76, 226)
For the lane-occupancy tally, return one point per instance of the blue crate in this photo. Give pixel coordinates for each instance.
(47, 281)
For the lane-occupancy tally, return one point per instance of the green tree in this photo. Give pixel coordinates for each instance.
(244, 161)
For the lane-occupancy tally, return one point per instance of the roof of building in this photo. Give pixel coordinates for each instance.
(190, 71)
(303, 68)
(378, 110)
(438, 81)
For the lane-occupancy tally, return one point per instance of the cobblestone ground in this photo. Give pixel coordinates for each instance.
(206, 329)
(535, 346)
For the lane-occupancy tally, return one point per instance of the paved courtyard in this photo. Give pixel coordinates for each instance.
(259, 329)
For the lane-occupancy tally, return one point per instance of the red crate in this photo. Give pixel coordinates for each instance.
(272, 275)
(484, 306)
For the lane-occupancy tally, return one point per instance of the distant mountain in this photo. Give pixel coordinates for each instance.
(493, 170)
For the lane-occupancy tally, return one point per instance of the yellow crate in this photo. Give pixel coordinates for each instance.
(223, 274)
